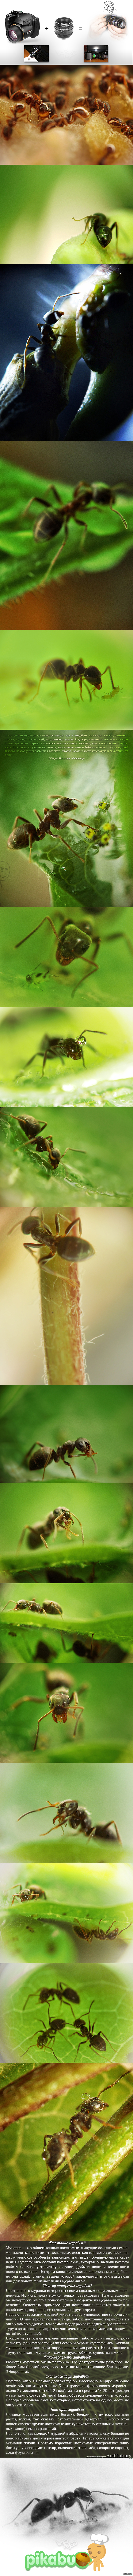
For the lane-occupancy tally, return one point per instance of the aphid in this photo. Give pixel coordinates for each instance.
(39, 1533)
(38, 1457)
(98, 224)
(74, 1249)
(48, 1606)
(88, 672)
(41, 1145)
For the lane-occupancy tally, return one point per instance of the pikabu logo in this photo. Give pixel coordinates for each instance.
(92, 2557)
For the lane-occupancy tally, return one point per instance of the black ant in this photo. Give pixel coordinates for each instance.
(96, 1933)
(88, 672)
(98, 224)
(75, 940)
(64, 1047)
(67, 1246)
(94, 2037)
(40, 1606)
(39, 1458)
(44, 2035)
(79, 1820)
(51, 821)
(28, 1895)
(95, 1650)
(41, 1531)
(52, 522)
(57, 2150)
(36, 1139)
(65, 1994)
(62, 1704)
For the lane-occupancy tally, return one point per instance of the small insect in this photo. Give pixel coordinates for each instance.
(99, 225)
(64, 1047)
(78, 1817)
(62, 1703)
(38, 1457)
(24, 833)
(70, 1814)
(39, 1533)
(41, 1145)
(95, 1650)
(65, 1994)
(95, 2038)
(74, 941)
(28, 1895)
(52, 523)
(93, 678)
(67, 1246)
(57, 2150)
(95, 1932)
(54, 2026)
(40, 1606)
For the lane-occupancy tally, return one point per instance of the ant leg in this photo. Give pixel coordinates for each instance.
(27, 343)
(114, 684)
(111, 1821)
(44, 1257)
(33, 1255)
(47, 1463)
(68, 1230)
(86, 682)
(43, 1541)
(72, 1473)
(68, 2162)
(23, 1533)
(55, 559)
(79, 1526)
(40, 1723)
(45, 2161)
